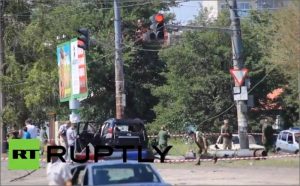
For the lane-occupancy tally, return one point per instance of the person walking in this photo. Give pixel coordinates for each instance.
(44, 139)
(62, 136)
(71, 138)
(201, 142)
(26, 134)
(58, 172)
(163, 137)
(226, 133)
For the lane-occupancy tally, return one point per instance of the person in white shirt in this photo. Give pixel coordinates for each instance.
(71, 138)
(33, 131)
(62, 136)
(58, 172)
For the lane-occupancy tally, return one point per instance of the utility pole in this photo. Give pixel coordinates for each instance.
(238, 64)
(298, 67)
(119, 74)
(1, 50)
(1, 71)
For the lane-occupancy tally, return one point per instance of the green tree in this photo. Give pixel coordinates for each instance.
(33, 72)
(285, 53)
(199, 87)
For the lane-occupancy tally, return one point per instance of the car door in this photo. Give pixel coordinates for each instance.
(235, 143)
(290, 143)
(77, 174)
(283, 142)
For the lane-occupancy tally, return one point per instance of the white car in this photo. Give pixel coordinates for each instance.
(236, 143)
(288, 140)
(117, 173)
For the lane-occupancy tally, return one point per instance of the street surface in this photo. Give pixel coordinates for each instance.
(223, 173)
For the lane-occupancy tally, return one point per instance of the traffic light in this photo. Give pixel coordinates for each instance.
(83, 39)
(157, 27)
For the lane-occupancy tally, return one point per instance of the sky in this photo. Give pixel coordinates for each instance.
(186, 11)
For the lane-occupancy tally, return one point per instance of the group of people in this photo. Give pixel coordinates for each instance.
(29, 131)
(202, 142)
(226, 133)
(58, 172)
(199, 138)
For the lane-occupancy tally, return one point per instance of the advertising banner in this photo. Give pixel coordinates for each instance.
(64, 70)
(79, 76)
(72, 71)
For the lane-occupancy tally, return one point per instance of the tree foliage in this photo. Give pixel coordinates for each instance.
(199, 87)
(285, 53)
(31, 68)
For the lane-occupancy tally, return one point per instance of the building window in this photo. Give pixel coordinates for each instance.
(269, 4)
(243, 9)
(224, 6)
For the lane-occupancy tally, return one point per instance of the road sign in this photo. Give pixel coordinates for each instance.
(240, 93)
(239, 75)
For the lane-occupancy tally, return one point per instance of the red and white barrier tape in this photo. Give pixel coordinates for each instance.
(228, 159)
(181, 135)
(193, 160)
(206, 134)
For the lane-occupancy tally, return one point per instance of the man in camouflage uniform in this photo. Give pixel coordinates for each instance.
(201, 143)
(267, 135)
(163, 137)
(226, 134)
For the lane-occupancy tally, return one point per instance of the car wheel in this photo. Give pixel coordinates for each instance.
(278, 149)
(297, 151)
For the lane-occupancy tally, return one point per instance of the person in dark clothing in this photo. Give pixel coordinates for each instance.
(268, 133)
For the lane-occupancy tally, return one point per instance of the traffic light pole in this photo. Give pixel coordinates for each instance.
(119, 74)
(238, 64)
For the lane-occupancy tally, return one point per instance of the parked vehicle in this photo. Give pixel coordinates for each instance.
(288, 140)
(236, 143)
(115, 172)
(126, 132)
(88, 133)
(114, 133)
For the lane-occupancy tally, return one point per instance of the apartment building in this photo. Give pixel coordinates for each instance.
(214, 7)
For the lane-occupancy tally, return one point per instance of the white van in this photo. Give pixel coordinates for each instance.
(288, 140)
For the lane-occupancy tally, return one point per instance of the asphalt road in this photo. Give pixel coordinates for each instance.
(181, 174)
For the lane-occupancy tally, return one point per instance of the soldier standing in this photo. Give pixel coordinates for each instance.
(226, 134)
(267, 135)
(201, 142)
(163, 137)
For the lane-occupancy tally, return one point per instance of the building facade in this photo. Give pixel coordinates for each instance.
(214, 7)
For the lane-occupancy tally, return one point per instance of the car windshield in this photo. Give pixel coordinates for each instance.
(297, 137)
(130, 127)
(235, 140)
(124, 173)
(251, 140)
